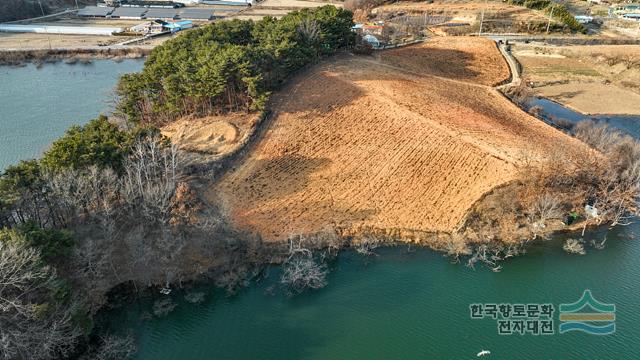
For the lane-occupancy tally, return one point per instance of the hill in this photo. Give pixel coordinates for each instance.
(408, 141)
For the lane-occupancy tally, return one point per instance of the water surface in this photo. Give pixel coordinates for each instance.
(37, 105)
(553, 111)
(408, 305)
(403, 305)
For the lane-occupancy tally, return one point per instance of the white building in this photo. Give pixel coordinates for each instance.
(582, 19)
(69, 30)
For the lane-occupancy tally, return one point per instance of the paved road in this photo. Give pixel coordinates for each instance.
(513, 67)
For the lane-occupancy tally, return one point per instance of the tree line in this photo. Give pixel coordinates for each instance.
(230, 65)
(559, 11)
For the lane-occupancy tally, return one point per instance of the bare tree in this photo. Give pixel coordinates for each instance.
(112, 347)
(574, 246)
(367, 245)
(301, 271)
(26, 331)
(21, 275)
(543, 208)
(150, 179)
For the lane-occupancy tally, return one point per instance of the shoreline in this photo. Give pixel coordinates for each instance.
(17, 57)
(580, 112)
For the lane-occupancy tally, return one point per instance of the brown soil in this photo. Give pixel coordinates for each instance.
(467, 59)
(213, 139)
(211, 135)
(361, 143)
(465, 10)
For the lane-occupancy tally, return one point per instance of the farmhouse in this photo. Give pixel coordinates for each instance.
(160, 26)
(626, 9)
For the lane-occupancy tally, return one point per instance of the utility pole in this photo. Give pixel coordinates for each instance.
(550, 16)
(41, 8)
(482, 17)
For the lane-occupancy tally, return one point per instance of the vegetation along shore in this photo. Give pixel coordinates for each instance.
(242, 144)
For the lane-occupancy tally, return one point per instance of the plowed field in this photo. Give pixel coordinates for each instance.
(364, 142)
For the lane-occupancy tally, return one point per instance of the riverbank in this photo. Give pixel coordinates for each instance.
(408, 303)
(592, 79)
(17, 57)
(377, 164)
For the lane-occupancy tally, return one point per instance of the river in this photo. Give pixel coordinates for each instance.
(400, 304)
(403, 305)
(408, 304)
(37, 105)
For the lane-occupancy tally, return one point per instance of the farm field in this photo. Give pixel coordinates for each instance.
(466, 60)
(359, 143)
(46, 41)
(595, 79)
(279, 8)
(464, 10)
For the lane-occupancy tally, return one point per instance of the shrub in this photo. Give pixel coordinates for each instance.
(53, 244)
(98, 143)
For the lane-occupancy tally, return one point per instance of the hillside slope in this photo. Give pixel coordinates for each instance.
(363, 143)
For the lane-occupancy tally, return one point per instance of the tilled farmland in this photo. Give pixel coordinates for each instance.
(365, 142)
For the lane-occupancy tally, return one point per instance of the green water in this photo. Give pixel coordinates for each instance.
(406, 305)
(409, 305)
(398, 305)
(38, 105)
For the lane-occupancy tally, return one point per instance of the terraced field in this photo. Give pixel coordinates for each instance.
(358, 142)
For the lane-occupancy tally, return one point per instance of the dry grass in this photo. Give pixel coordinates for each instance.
(360, 143)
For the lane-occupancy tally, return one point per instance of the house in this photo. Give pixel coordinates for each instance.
(625, 9)
(635, 17)
(229, 2)
(160, 26)
(128, 13)
(95, 11)
(153, 4)
(150, 27)
(179, 25)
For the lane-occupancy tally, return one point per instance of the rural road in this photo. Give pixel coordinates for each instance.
(513, 67)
